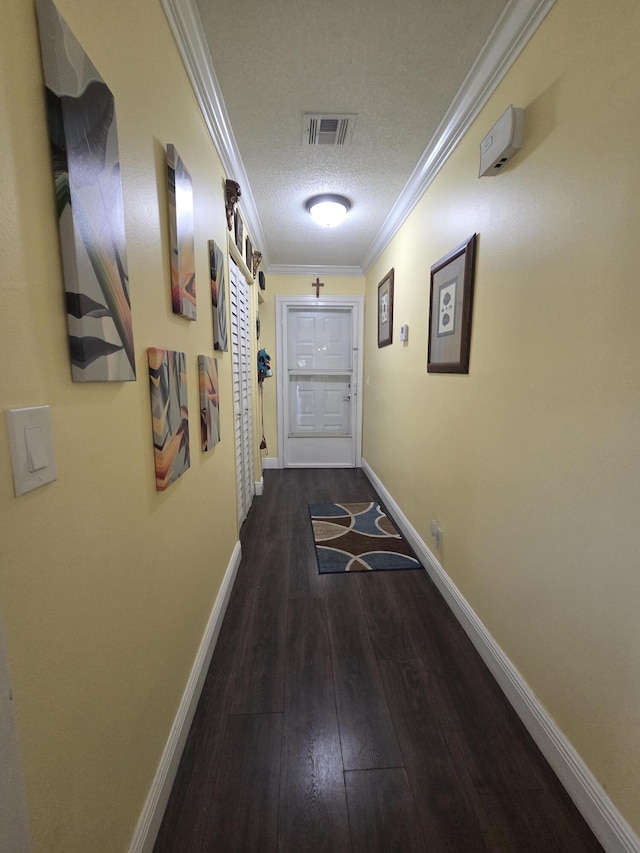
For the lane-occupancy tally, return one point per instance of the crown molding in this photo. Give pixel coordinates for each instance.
(292, 269)
(514, 28)
(516, 25)
(186, 27)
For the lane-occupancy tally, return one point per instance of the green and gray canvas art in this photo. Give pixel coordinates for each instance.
(86, 169)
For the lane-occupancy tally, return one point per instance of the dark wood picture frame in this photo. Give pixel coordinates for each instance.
(238, 227)
(248, 254)
(385, 310)
(450, 308)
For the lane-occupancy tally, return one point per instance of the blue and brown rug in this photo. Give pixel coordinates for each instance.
(358, 537)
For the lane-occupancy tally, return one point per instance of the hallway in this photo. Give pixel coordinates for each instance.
(351, 713)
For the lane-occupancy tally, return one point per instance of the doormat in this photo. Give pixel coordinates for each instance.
(358, 537)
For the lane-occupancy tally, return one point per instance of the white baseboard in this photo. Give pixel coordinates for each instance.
(259, 486)
(606, 822)
(150, 819)
(270, 462)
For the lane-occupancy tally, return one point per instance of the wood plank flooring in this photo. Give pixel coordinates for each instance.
(351, 713)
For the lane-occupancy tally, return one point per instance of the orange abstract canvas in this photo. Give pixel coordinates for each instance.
(183, 270)
(218, 296)
(170, 415)
(209, 401)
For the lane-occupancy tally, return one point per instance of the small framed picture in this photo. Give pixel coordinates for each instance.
(450, 304)
(238, 231)
(385, 310)
(248, 253)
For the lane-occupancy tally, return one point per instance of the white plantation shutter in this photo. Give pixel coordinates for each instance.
(242, 404)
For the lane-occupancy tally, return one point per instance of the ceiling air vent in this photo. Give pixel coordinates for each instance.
(326, 129)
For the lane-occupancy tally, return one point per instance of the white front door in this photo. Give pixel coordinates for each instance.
(241, 359)
(318, 378)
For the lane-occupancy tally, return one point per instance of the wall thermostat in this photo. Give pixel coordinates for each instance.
(404, 332)
(502, 142)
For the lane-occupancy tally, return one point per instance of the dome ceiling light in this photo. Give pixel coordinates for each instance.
(328, 209)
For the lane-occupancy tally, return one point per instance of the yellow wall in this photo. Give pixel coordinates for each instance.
(291, 285)
(105, 584)
(531, 463)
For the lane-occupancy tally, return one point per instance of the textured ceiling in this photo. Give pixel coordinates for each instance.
(398, 66)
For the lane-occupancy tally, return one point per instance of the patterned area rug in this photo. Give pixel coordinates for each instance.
(358, 537)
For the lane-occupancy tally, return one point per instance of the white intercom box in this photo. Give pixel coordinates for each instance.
(502, 142)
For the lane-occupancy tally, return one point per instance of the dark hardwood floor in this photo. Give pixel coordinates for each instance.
(351, 713)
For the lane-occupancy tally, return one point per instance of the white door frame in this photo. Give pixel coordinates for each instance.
(283, 304)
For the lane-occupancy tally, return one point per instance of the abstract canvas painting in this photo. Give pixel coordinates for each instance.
(170, 415)
(209, 401)
(218, 297)
(183, 270)
(86, 170)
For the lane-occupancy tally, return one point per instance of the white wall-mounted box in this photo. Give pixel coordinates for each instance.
(502, 142)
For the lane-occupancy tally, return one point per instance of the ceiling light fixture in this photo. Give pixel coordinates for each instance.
(328, 209)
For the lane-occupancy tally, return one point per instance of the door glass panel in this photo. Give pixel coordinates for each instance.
(319, 340)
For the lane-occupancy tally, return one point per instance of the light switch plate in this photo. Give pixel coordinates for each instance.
(31, 446)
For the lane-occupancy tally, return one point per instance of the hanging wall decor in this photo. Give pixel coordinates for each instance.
(183, 270)
(209, 401)
(86, 169)
(450, 304)
(385, 310)
(238, 232)
(170, 415)
(218, 297)
(232, 193)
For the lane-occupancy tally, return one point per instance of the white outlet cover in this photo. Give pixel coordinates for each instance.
(26, 427)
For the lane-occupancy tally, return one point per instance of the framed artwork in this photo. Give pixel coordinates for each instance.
(83, 137)
(170, 415)
(183, 268)
(385, 310)
(248, 254)
(238, 231)
(209, 401)
(450, 305)
(218, 297)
